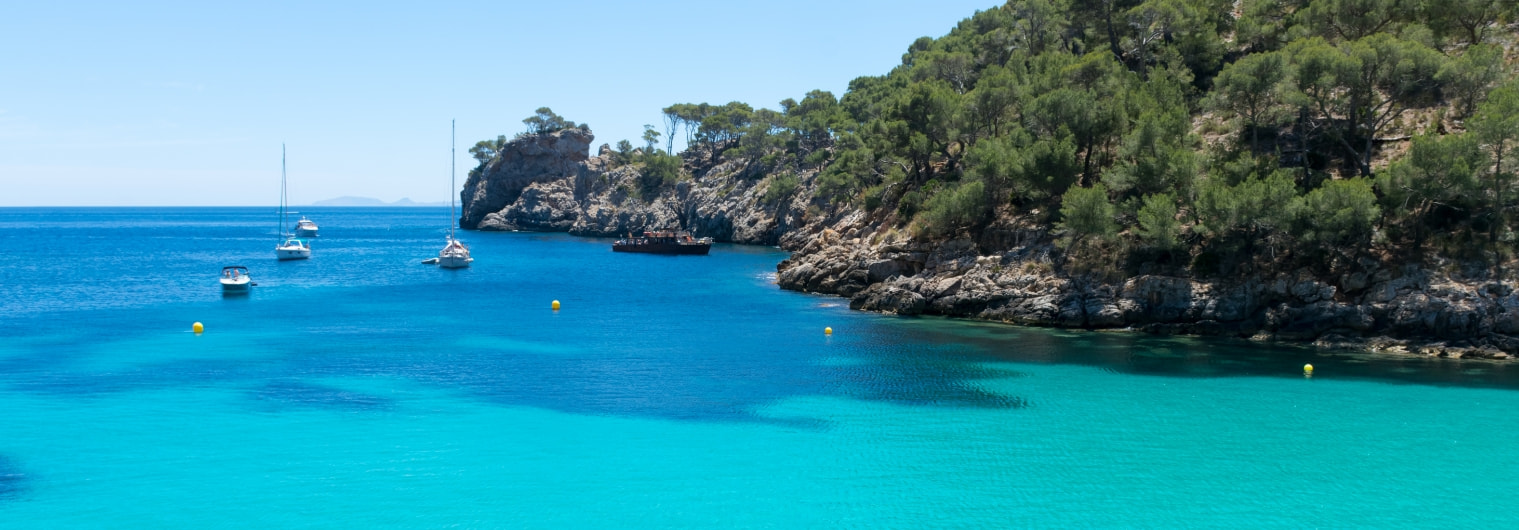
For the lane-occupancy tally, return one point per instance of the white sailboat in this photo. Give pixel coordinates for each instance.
(290, 247)
(455, 255)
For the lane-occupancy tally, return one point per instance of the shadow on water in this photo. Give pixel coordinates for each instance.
(1193, 357)
(704, 379)
(286, 393)
(11, 480)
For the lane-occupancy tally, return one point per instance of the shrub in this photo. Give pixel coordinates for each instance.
(781, 187)
(953, 208)
(1157, 221)
(1086, 212)
(1339, 212)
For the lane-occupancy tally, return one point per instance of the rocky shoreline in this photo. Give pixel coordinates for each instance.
(1011, 273)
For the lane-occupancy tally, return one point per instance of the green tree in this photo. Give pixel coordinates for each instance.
(1350, 20)
(1256, 209)
(544, 121)
(1338, 215)
(781, 187)
(1496, 124)
(624, 154)
(993, 101)
(485, 150)
(1439, 172)
(1251, 88)
(650, 138)
(952, 209)
(1039, 25)
(672, 123)
(1267, 25)
(1468, 77)
(1468, 19)
(659, 170)
(815, 119)
(1086, 213)
(1365, 84)
(1158, 226)
(1158, 155)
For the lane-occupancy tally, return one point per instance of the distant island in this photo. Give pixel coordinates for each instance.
(370, 201)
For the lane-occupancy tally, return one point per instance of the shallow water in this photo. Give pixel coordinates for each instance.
(363, 388)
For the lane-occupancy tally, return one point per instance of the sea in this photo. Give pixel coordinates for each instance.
(362, 388)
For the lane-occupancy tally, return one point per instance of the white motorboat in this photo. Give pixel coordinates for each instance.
(290, 247)
(455, 254)
(305, 227)
(236, 280)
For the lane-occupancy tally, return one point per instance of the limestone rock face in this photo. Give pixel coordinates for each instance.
(542, 206)
(521, 163)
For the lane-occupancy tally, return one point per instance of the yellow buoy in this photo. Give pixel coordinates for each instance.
(1308, 369)
(198, 327)
(827, 331)
(556, 305)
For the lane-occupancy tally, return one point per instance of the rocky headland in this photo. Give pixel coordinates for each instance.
(1012, 271)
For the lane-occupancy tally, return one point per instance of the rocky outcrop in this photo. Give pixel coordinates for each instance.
(1404, 309)
(550, 183)
(528, 163)
(1007, 273)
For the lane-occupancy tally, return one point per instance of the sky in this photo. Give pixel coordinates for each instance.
(187, 104)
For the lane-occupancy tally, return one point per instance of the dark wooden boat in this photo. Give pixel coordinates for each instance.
(664, 242)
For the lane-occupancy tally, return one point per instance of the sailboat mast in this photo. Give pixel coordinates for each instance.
(281, 229)
(452, 148)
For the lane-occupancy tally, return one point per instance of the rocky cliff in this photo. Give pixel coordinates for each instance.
(550, 183)
(1012, 272)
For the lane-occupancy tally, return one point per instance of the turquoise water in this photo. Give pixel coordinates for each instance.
(361, 388)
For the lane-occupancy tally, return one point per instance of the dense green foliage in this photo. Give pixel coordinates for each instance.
(1182, 125)
(1242, 133)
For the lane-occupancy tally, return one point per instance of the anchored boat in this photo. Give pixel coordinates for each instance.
(236, 280)
(455, 255)
(291, 247)
(664, 242)
(305, 227)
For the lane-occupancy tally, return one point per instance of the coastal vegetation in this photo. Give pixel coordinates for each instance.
(1208, 135)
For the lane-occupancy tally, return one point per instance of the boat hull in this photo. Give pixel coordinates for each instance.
(289, 254)
(454, 262)
(692, 249)
(303, 232)
(239, 286)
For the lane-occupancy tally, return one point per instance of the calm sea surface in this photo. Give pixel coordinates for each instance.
(362, 388)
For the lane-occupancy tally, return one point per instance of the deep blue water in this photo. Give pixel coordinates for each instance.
(362, 388)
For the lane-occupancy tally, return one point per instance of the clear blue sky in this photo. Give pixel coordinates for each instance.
(121, 103)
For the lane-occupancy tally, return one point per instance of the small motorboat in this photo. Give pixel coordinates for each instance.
(236, 280)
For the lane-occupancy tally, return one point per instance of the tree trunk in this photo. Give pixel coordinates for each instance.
(1113, 35)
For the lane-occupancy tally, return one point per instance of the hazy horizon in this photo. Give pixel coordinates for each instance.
(188, 104)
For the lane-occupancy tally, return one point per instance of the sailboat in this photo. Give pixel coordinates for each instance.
(291, 247)
(455, 255)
